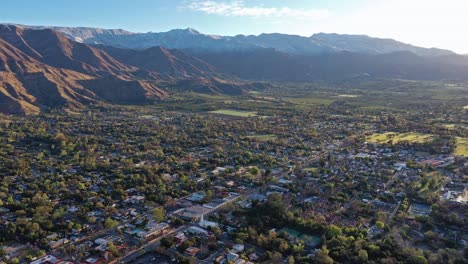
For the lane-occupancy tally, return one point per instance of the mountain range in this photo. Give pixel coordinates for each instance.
(193, 40)
(49, 67)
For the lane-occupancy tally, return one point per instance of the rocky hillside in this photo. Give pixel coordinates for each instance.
(42, 69)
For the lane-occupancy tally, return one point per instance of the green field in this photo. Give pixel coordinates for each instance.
(384, 138)
(263, 137)
(231, 112)
(310, 101)
(310, 169)
(461, 148)
(348, 95)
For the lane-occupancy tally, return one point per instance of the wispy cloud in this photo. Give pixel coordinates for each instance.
(238, 8)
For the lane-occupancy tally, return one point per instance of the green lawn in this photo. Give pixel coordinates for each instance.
(231, 112)
(263, 137)
(384, 138)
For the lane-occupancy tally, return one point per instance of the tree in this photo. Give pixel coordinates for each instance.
(333, 231)
(159, 214)
(110, 223)
(217, 231)
(167, 242)
(113, 249)
(363, 256)
(322, 257)
(379, 224)
(417, 260)
(254, 170)
(176, 221)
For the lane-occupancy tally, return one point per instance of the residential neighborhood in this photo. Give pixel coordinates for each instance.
(224, 196)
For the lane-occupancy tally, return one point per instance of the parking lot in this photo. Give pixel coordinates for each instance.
(153, 258)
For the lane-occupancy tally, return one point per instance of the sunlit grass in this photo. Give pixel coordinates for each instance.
(231, 112)
(348, 95)
(461, 148)
(384, 138)
(310, 169)
(266, 137)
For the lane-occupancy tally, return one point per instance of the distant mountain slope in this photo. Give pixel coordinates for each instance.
(269, 64)
(52, 48)
(41, 69)
(172, 62)
(367, 45)
(190, 39)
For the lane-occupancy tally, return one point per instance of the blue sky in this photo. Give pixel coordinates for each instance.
(428, 23)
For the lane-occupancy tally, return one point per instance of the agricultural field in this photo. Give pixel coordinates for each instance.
(231, 112)
(384, 138)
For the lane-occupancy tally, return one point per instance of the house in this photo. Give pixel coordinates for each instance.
(218, 170)
(58, 243)
(72, 209)
(276, 188)
(206, 224)
(49, 259)
(135, 199)
(232, 257)
(253, 256)
(238, 248)
(399, 166)
(155, 229)
(180, 238)
(196, 197)
(220, 260)
(198, 231)
(93, 261)
(192, 251)
(101, 241)
(284, 181)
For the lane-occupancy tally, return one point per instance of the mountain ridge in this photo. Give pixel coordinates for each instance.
(191, 39)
